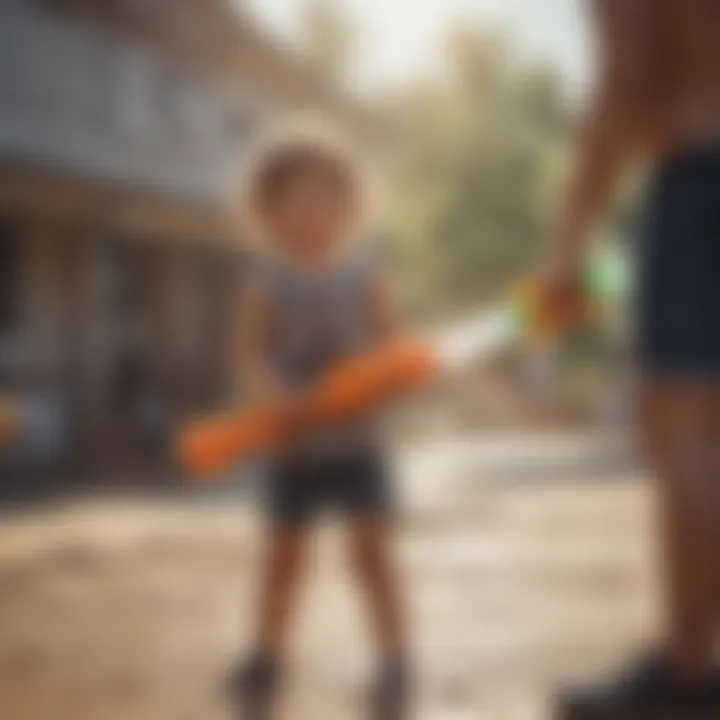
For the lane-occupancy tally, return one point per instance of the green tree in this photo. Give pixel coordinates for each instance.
(477, 165)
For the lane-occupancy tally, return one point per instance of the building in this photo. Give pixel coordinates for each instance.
(122, 130)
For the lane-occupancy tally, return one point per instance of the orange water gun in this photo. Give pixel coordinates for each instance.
(209, 446)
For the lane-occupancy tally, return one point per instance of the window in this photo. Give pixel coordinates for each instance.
(9, 280)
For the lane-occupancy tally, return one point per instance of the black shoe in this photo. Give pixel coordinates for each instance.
(252, 688)
(647, 691)
(391, 692)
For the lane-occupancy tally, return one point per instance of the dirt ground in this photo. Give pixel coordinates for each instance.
(527, 562)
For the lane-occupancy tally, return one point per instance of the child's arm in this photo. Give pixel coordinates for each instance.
(256, 378)
(384, 321)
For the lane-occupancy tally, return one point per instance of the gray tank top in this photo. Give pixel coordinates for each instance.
(317, 322)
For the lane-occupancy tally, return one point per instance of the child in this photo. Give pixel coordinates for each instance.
(314, 300)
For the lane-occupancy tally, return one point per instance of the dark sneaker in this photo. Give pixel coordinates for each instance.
(647, 691)
(253, 688)
(391, 692)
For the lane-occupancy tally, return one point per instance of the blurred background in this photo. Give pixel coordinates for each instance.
(124, 126)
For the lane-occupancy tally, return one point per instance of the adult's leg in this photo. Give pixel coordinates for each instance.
(714, 463)
(677, 426)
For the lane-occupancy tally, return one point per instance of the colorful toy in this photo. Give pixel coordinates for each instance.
(209, 446)
(540, 320)
(364, 383)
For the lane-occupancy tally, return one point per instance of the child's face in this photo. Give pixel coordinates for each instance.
(311, 215)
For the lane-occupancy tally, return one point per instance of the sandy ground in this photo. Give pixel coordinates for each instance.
(527, 561)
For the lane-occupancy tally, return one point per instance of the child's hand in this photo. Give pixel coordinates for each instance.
(286, 404)
(291, 408)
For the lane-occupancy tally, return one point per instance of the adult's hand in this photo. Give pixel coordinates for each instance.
(563, 295)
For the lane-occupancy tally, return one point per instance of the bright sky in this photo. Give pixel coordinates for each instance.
(401, 37)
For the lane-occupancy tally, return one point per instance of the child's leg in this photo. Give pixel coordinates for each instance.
(371, 558)
(254, 683)
(285, 561)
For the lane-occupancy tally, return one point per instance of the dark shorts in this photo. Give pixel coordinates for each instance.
(679, 289)
(357, 485)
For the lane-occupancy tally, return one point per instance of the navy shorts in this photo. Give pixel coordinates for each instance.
(679, 289)
(357, 485)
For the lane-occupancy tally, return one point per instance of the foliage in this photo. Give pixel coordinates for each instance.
(475, 160)
(476, 164)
